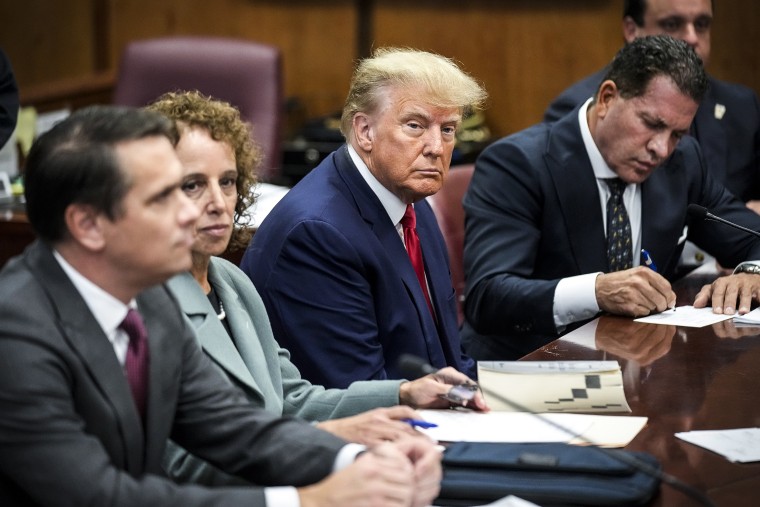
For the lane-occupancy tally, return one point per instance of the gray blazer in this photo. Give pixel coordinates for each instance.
(258, 365)
(70, 433)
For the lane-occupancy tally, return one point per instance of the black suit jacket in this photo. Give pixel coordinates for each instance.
(9, 100)
(70, 433)
(727, 126)
(533, 217)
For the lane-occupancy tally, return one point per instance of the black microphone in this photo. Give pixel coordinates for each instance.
(413, 367)
(417, 367)
(697, 211)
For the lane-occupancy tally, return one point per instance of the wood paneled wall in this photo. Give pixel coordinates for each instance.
(524, 51)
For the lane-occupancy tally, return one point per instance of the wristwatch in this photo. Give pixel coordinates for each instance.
(748, 268)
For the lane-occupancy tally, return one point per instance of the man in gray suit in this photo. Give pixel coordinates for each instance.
(88, 403)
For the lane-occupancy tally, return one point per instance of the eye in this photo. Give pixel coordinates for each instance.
(193, 187)
(227, 182)
(702, 25)
(449, 131)
(671, 25)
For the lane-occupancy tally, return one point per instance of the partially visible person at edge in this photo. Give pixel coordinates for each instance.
(99, 368)
(556, 216)
(9, 100)
(219, 301)
(727, 123)
(330, 260)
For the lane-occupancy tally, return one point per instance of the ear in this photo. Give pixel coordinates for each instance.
(630, 29)
(363, 131)
(607, 93)
(84, 226)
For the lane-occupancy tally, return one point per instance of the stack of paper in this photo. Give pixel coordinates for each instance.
(553, 386)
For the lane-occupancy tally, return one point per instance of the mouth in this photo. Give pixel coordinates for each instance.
(218, 230)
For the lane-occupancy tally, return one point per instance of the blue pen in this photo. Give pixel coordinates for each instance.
(416, 423)
(651, 265)
(648, 260)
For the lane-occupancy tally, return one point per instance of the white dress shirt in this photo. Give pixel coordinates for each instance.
(575, 296)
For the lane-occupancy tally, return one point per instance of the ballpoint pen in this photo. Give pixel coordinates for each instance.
(648, 260)
(416, 423)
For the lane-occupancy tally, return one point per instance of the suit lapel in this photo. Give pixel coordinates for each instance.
(86, 338)
(576, 191)
(209, 330)
(372, 211)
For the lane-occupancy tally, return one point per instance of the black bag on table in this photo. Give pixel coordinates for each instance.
(551, 474)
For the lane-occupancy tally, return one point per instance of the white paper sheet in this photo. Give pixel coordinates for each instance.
(740, 445)
(522, 427)
(686, 316)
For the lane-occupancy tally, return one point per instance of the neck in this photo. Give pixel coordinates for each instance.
(199, 270)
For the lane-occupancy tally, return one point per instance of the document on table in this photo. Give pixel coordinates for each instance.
(553, 386)
(509, 501)
(686, 316)
(737, 445)
(749, 319)
(523, 427)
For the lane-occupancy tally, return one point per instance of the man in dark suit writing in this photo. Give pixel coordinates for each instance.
(727, 122)
(557, 216)
(99, 369)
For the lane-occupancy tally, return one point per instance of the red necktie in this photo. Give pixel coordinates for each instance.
(136, 363)
(412, 243)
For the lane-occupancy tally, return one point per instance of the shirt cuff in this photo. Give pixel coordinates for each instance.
(282, 496)
(575, 299)
(347, 455)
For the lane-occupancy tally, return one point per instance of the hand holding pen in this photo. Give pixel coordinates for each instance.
(634, 292)
(649, 262)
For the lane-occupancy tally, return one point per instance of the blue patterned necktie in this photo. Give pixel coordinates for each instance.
(618, 228)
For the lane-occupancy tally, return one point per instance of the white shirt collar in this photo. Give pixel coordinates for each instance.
(108, 311)
(600, 167)
(394, 206)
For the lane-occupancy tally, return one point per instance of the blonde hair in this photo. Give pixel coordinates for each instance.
(440, 81)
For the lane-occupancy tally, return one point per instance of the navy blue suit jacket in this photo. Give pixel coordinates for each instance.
(338, 285)
(727, 126)
(533, 217)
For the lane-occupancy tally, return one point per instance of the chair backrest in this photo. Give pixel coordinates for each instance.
(246, 74)
(447, 206)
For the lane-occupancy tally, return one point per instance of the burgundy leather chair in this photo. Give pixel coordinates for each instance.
(246, 74)
(447, 206)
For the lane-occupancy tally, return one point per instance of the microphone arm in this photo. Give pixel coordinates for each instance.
(702, 213)
(417, 367)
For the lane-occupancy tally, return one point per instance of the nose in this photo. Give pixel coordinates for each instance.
(660, 145)
(690, 36)
(215, 196)
(434, 142)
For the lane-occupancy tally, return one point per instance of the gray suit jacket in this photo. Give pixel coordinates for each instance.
(257, 364)
(70, 433)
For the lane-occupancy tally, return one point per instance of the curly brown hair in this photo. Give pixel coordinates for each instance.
(222, 120)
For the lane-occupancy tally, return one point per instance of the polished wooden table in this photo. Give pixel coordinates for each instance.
(682, 379)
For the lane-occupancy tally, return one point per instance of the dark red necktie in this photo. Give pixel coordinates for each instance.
(136, 363)
(412, 243)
